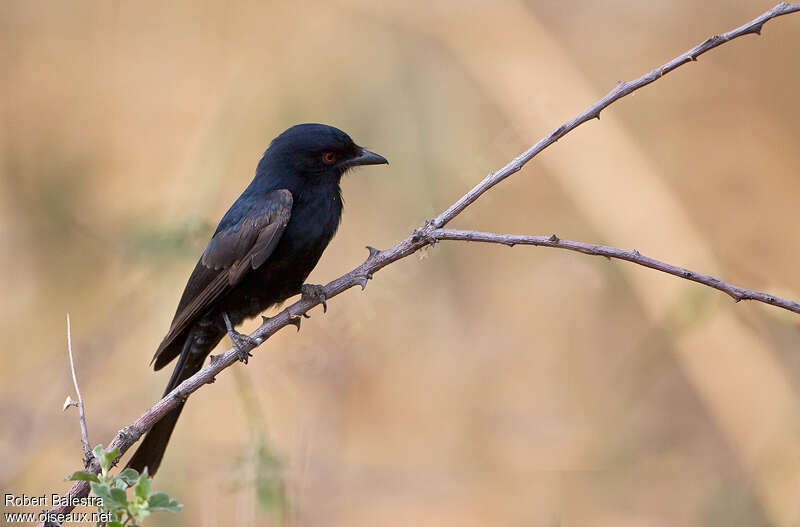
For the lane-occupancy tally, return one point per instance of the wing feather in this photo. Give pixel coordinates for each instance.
(230, 255)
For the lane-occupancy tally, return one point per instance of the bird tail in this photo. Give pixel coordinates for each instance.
(151, 451)
(154, 444)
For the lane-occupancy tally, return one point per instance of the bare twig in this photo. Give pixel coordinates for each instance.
(87, 449)
(737, 293)
(593, 112)
(432, 232)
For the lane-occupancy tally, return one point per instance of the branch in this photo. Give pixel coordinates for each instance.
(430, 233)
(593, 112)
(634, 256)
(87, 449)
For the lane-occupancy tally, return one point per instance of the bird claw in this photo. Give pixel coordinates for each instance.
(316, 293)
(243, 343)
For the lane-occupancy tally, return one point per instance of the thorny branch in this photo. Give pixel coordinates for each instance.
(634, 256)
(87, 449)
(432, 232)
(593, 112)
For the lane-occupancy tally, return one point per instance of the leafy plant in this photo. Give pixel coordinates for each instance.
(113, 492)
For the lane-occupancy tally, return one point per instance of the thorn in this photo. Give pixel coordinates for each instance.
(362, 280)
(212, 359)
(69, 402)
(553, 238)
(372, 252)
(295, 321)
(265, 319)
(212, 380)
(687, 274)
(306, 315)
(635, 253)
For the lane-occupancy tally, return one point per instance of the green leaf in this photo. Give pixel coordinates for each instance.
(112, 498)
(142, 489)
(159, 501)
(139, 512)
(119, 497)
(82, 475)
(129, 476)
(98, 451)
(104, 493)
(120, 483)
(106, 458)
(115, 524)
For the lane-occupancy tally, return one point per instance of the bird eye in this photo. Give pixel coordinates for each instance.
(328, 157)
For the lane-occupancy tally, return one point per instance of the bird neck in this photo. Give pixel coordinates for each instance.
(326, 195)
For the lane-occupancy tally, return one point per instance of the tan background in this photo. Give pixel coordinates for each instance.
(471, 385)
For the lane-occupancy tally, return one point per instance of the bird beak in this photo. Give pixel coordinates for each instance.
(365, 157)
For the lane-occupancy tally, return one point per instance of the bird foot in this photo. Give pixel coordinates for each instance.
(243, 343)
(314, 292)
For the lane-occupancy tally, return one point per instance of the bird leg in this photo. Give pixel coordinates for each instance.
(314, 292)
(243, 343)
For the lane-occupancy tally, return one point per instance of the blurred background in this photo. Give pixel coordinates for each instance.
(468, 385)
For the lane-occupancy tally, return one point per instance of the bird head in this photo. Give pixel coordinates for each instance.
(314, 154)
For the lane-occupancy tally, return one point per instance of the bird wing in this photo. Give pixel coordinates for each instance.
(231, 253)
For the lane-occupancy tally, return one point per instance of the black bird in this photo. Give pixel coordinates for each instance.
(261, 253)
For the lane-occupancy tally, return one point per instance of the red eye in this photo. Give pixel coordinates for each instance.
(328, 157)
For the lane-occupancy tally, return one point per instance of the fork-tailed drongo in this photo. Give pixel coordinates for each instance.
(261, 253)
